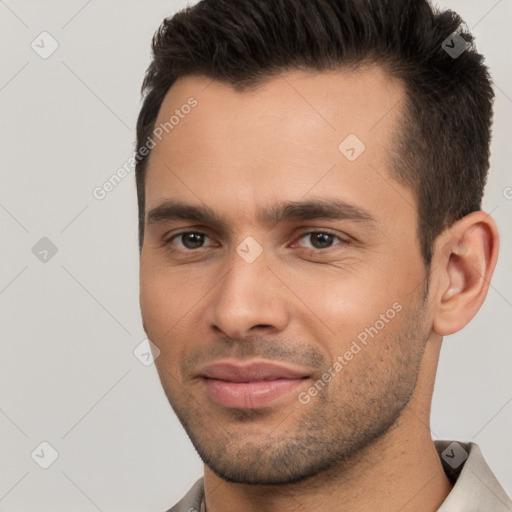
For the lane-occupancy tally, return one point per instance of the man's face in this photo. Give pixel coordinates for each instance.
(298, 295)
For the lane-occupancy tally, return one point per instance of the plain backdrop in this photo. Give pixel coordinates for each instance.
(70, 324)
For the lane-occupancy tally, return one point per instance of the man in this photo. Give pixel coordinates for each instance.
(310, 175)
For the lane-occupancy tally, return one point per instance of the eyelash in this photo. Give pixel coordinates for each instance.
(342, 241)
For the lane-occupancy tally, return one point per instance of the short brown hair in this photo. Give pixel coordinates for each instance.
(442, 150)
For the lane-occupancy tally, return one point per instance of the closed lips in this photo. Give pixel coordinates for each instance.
(250, 372)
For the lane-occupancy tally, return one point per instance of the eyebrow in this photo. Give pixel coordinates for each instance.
(286, 211)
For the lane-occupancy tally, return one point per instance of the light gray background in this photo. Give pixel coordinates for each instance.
(68, 375)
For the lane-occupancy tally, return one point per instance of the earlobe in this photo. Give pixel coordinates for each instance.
(465, 261)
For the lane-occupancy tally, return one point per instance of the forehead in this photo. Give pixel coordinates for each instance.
(296, 134)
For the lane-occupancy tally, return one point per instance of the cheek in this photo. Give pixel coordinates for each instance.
(170, 299)
(161, 302)
(348, 299)
(361, 307)
(160, 311)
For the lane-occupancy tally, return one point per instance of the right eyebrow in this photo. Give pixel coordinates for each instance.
(176, 210)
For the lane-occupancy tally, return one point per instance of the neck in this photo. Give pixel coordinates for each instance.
(406, 476)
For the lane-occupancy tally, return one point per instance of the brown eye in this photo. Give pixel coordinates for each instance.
(320, 239)
(189, 239)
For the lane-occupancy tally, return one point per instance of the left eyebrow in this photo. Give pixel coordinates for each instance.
(334, 209)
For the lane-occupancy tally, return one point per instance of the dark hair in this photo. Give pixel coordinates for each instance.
(442, 147)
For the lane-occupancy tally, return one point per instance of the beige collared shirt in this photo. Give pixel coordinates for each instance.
(475, 488)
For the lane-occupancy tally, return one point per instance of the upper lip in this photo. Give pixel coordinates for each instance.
(250, 371)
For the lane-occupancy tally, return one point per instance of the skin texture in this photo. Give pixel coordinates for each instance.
(364, 439)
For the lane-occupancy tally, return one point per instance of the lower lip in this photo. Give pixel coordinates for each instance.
(250, 395)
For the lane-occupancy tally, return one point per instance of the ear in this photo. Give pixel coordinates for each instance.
(464, 260)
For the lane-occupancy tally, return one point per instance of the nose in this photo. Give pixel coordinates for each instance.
(247, 298)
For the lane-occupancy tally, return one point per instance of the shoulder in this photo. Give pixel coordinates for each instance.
(191, 502)
(475, 488)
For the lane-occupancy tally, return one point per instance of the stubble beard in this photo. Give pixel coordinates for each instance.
(325, 436)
